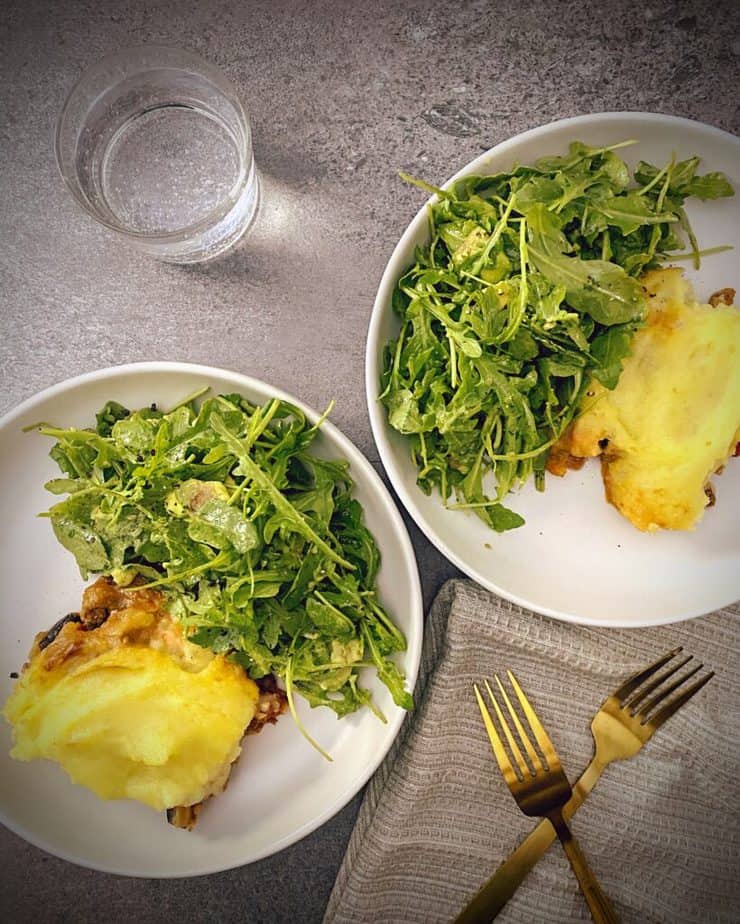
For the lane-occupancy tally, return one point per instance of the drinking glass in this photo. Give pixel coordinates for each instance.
(153, 142)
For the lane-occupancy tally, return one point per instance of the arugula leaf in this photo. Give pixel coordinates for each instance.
(71, 522)
(222, 526)
(403, 412)
(709, 186)
(609, 350)
(594, 287)
(110, 413)
(388, 673)
(683, 182)
(630, 211)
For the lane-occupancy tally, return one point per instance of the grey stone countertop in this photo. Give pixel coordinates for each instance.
(342, 96)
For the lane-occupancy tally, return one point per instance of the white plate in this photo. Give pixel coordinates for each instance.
(576, 558)
(281, 788)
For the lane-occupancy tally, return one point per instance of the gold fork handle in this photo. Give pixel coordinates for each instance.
(492, 897)
(598, 904)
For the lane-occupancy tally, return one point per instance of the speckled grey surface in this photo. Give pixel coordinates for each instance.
(341, 97)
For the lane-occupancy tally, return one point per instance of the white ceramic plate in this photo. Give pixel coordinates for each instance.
(281, 789)
(576, 558)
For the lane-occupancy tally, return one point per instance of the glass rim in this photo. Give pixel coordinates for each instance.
(210, 72)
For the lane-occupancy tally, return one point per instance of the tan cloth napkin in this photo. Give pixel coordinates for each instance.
(661, 831)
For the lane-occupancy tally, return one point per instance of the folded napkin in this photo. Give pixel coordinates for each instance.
(661, 831)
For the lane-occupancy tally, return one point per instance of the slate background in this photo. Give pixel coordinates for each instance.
(341, 96)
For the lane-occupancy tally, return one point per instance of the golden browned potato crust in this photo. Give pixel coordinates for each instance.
(722, 297)
(673, 419)
(131, 629)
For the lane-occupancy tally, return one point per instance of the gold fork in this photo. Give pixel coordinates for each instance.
(540, 789)
(620, 728)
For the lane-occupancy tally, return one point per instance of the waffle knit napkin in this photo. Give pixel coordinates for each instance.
(661, 831)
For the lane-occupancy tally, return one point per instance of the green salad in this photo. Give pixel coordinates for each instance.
(256, 541)
(527, 289)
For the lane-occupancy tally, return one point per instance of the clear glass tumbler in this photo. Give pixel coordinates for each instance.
(153, 142)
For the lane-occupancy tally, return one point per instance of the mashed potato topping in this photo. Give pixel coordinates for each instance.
(674, 417)
(129, 707)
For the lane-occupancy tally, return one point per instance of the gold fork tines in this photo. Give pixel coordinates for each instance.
(533, 755)
(539, 788)
(539, 732)
(499, 751)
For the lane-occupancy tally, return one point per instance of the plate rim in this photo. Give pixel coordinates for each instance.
(359, 462)
(373, 351)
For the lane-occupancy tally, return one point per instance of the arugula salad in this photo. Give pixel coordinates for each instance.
(527, 289)
(256, 541)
